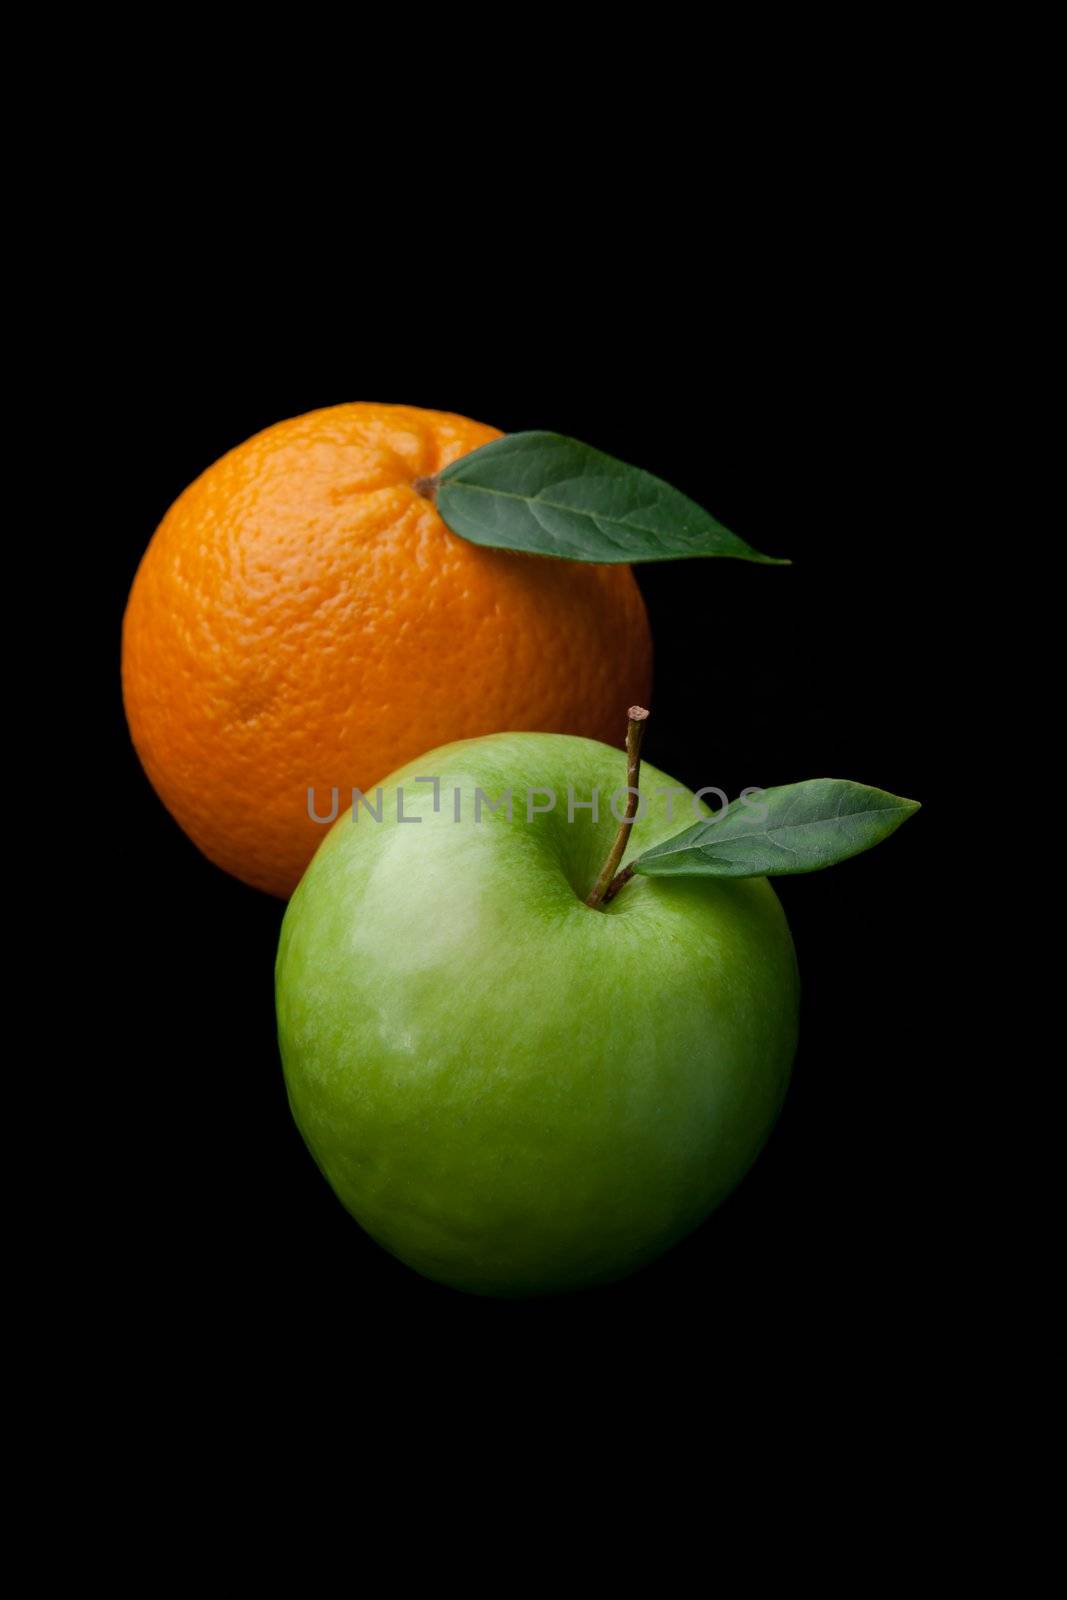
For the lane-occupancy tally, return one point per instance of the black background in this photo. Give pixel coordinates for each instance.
(804, 428)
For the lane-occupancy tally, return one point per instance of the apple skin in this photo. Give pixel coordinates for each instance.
(511, 1092)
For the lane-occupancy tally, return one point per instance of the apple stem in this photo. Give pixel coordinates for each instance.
(619, 881)
(608, 885)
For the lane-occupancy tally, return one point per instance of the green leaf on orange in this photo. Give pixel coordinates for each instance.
(551, 496)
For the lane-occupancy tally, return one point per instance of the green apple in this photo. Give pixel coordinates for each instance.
(513, 1092)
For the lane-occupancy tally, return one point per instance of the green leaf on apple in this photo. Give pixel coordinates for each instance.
(801, 827)
(551, 496)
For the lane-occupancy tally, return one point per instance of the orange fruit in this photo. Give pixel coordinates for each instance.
(303, 619)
